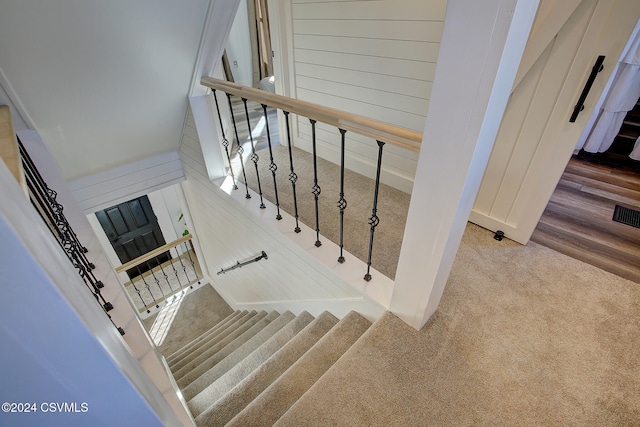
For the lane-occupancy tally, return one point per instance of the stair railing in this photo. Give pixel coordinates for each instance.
(380, 133)
(158, 275)
(238, 264)
(44, 200)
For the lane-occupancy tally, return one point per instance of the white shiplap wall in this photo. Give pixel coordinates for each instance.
(117, 185)
(289, 280)
(375, 58)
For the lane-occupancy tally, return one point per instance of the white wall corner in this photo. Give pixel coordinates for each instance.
(220, 17)
(466, 107)
(203, 116)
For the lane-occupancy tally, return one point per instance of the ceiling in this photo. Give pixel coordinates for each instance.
(104, 83)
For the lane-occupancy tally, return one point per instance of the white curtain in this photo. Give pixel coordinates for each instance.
(622, 97)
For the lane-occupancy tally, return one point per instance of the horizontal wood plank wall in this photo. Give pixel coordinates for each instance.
(117, 185)
(375, 58)
(289, 280)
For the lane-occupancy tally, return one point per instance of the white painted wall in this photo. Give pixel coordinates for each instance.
(372, 58)
(289, 280)
(117, 185)
(536, 139)
(103, 82)
(239, 47)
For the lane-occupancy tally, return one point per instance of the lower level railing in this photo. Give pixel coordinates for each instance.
(44, 200)
(380, 134)
(156, 280)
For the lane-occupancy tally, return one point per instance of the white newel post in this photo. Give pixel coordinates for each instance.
(482, 44)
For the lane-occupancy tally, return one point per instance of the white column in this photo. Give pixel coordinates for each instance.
(482, 44)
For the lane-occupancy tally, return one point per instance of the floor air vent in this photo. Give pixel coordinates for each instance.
(627, 216)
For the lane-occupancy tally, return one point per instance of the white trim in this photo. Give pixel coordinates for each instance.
(15, 100)
(215, 32)
(123, 183)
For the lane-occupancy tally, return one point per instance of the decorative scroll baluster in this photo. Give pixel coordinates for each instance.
(193, 264)
(254, 157)
(47, 203)
(135, 288)
(155, 279)
(240, 149)
(373, 219)
(316, 188)
(50, 203)
(44, 200)
(225, 141)
(184, 269)
(342, 203)
(292, 175)
(148, 286)
(272, 166)
(166, 278)
(176, 271)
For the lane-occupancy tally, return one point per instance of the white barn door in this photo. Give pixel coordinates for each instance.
(536, 138)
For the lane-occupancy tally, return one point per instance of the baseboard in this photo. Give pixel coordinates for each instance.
(510, 232)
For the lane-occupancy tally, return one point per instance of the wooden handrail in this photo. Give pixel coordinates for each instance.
(152, 254)
(9, 151)
(379, 131)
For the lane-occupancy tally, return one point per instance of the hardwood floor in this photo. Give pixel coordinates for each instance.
(578, 220)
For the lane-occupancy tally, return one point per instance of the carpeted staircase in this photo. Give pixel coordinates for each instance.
(251, 367)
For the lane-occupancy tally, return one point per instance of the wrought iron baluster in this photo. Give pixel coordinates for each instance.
(254, 157)
(373, 219)
(47, 206)
(41, 187)
(44, 200)
(316, 188)
(107, 306)
(342, 203)
(193, 264)
(166, 278)
(240, 149)
(184, 268)
(174, 269)
(293, 178)
(135, 288)
(225, 141)
(148, 286)
(272, 166)
(155, 279)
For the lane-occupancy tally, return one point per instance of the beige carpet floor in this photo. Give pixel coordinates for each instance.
(524, 336)
(197, 312)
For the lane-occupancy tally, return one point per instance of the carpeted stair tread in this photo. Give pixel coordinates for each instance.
(204, 339)
(213, 340)
(365, 371)
(184, 350)
(200, 396)
(237, 356)
(273, 402)
(212, 349)
(222, 411)
(226, 347)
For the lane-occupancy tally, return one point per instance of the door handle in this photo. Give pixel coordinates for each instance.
(597, 67)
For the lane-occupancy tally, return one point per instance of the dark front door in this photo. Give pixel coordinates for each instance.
(133, 230)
